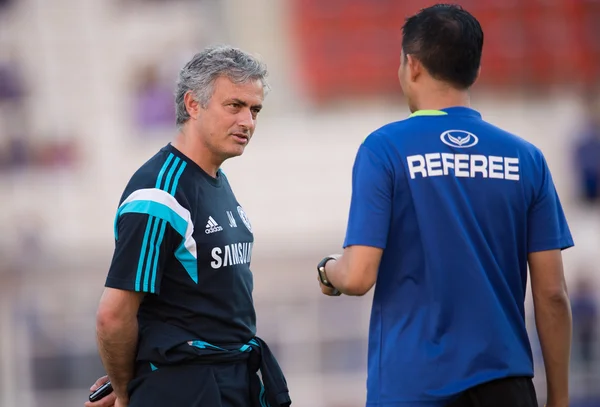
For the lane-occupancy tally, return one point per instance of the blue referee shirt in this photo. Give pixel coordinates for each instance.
(457, 204)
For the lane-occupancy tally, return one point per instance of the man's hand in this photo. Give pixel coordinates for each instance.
(354, 272)
(108, 401)
(332, 292)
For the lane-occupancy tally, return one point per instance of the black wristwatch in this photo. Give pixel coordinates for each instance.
(322, 273)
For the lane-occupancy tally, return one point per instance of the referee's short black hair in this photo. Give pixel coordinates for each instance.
(448, 41)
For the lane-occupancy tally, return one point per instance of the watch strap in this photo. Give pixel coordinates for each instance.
(322, 273)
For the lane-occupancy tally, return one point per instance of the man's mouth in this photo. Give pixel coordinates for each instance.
(241, 138)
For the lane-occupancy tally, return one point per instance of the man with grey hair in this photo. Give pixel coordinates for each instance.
(176, 323)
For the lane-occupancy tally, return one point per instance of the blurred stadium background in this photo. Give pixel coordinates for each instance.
(86, 97)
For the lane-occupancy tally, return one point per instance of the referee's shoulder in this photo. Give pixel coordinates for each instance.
(382, 136)
(521, 144)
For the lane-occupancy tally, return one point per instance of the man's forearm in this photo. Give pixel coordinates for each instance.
(340, 276)
(337, 273)
(554, 326)
(117, 344)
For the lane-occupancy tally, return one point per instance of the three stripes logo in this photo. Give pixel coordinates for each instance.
(167, 181)
(212, 226)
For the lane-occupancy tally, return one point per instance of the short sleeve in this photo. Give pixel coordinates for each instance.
(371, 202)
(147, 233)
(547, 227)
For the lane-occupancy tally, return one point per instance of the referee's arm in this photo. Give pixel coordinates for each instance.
(355, 272)
(553, 321)
(548, 234)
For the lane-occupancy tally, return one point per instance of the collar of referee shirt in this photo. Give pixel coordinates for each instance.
(453, 111)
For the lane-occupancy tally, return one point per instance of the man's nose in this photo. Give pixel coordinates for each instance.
(245, 119)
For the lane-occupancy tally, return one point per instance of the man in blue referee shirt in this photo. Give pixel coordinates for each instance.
(447, 212)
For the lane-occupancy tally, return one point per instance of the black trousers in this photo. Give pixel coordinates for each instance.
(217, 385)
(508, 392)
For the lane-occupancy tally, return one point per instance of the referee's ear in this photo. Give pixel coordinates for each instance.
(415, 67)
(478, 74)
(192, 105)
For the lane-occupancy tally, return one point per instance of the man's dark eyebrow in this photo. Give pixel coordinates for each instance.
(245, 104)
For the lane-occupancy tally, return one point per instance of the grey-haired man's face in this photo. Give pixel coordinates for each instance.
(228, 121)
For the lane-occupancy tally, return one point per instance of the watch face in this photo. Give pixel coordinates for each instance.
(323, 277)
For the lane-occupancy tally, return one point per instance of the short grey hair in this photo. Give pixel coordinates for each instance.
(200, 73)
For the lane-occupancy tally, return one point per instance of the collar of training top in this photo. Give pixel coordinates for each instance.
(454, 111)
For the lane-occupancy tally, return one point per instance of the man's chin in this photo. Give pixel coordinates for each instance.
(235, 151)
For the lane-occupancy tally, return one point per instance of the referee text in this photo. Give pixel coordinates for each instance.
(463, 165)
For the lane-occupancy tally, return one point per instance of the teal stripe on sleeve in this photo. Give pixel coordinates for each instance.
(158, 210)
(163, 226)
(143, 259)
(163, 170)
(170, 173)
(176, 181)
(138, 276)
(150, 256)
(161, 211)
(151, 246)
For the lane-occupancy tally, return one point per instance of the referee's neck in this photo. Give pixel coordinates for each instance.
(442, 96)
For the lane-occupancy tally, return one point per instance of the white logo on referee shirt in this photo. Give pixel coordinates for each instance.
(212, 226)
(459, 138)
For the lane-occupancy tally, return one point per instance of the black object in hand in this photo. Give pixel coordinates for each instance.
(101, 392)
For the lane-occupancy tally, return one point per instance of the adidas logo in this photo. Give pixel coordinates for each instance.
(212, 226)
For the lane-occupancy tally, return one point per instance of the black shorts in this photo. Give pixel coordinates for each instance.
(511, 391)
(193, 385)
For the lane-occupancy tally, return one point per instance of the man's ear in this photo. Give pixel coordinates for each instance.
(478, 73)
(191, 105)
(415, 67)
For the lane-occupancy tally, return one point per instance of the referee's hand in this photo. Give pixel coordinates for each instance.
(332, 292)
(108, 401)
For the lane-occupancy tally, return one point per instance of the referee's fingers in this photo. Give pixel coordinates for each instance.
(332, 292)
